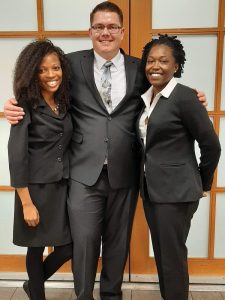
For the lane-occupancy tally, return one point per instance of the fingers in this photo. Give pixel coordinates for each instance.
(205, 194)
(33, 222)
(12, 112)
(202, 98)
(14, 120)
(13, 101)
(19, 113)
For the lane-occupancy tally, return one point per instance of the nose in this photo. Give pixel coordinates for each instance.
(105, 30)
(50, 73)
(155, 65)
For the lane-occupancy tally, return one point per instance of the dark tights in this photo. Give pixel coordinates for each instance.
(39, 271)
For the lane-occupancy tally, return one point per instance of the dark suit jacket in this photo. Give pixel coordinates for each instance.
(38, 146)
(97, 133)
(171, 169)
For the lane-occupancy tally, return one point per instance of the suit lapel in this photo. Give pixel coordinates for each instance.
(137, 127)
(43, 108)
(87, 65)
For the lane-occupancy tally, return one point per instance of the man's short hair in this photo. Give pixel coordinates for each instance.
(107, 6)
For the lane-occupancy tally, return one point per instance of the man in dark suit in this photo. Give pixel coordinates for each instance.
(104, 156)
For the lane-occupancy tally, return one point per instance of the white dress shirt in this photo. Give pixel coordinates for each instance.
(118, 76)
(145, 119)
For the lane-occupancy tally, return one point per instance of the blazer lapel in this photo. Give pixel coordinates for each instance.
(43, 108)
(87, 65)
(137, 127)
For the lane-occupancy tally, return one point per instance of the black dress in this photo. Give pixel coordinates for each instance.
(38, 159)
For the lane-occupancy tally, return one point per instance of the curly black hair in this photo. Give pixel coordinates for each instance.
(173, 43)
(25, 83)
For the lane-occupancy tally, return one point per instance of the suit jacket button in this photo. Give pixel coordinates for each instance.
(60, 147)
(59, 159)
(109, 118)
(61, 134)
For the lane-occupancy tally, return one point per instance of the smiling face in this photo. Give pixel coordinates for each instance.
(50, 75)
(160, 66)
(105, 43)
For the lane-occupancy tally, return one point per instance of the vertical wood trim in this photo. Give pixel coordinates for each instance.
(140, 25)
(219, 62)
(212, 218)
(40, 18)
(125, 7)
(139, 247)
(212, 215)
(221, 14)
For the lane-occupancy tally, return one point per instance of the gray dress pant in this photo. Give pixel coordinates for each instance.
(99, 214)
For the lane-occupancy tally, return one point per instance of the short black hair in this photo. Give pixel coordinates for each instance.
(107, 6)
(25, 83)
(173, 43)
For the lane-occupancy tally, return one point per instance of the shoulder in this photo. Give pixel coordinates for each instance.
(25, 104)
(186, 99)
(132, 59)
(184, 94)
(79, 54)
(184, 90)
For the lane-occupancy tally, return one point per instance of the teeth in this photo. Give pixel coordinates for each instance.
(155, 75)
(52, 83)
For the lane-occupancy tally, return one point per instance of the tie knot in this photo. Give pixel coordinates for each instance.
(108, 64)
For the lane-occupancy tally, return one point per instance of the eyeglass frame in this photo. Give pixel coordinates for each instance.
(118, 28)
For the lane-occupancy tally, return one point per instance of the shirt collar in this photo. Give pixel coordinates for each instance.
(165, 92)
(41, 102)
(116, 60)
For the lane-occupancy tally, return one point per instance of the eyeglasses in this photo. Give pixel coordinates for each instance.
(112, 28)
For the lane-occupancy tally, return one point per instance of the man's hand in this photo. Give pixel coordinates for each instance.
(12, 112)
(205, 193)
(202, 98)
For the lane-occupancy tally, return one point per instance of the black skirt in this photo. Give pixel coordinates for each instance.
(53, 229)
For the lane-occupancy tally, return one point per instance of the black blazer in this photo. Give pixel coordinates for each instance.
(97, 133)
(171, 169)
(37, 146)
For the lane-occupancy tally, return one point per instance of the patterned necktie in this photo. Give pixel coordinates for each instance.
(106, 85)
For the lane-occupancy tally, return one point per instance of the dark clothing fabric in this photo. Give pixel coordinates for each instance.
(39, 271)
(53, 229)
(172, 172)
(97, 133)
(100, 213)
(172, 182)
(38, 145)
(38, 159)
(169, 224)
(102, 207)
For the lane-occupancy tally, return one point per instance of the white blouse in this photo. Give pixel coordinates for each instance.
(145, 119)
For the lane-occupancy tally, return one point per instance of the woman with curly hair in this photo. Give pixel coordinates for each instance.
(38, 161)
(172, 181)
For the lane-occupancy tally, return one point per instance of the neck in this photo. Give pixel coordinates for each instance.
(49, 98)
(108, 56)
(156, 91)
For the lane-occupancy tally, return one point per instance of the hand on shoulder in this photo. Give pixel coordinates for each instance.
(12, 112)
